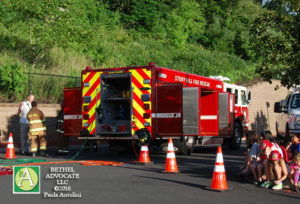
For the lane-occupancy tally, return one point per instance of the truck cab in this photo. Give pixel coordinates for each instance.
(288, 119)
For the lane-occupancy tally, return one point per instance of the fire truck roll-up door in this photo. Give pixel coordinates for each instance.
(72, 111)
(168, 114)
(191, 111)
(226, 114)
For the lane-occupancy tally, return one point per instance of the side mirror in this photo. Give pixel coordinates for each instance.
(277, 107)
(249, 97)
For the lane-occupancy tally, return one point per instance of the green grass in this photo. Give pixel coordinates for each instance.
(117, 47)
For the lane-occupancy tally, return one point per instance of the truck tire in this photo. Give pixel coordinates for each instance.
(186, 145)
(236, 140)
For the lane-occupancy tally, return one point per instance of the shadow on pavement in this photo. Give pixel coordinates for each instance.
(177, 182)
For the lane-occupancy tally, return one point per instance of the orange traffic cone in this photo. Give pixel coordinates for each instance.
(144, 155)
(10, 150)
(171, 164)
(219, 181)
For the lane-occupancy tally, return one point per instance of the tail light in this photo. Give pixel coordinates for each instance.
(146, 106)
(85, 108)
(146, 115)
(87, 99)
(86, 117)
(145, 97)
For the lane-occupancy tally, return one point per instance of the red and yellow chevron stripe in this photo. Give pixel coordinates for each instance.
(93, 78)
(137, 77)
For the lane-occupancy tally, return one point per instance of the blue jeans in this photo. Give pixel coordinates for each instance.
(24, 128)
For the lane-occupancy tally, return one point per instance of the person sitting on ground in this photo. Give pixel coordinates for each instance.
(262, 167)
(277, 169)
(256, 160)
(249, 143)
(252, 156)
(293, 147)
(295, 172)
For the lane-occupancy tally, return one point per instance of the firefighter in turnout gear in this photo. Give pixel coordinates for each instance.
(37, 130)
(62, 141)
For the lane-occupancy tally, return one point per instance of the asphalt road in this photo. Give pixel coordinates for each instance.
(146, 184)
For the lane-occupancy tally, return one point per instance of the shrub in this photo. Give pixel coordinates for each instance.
(12, 78)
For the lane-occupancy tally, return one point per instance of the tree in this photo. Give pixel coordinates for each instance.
(185, 23)
(277, 34)
(48, 24)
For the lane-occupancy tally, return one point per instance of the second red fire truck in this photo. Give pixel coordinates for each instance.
(117, 103)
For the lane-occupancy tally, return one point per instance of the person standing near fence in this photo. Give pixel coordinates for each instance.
(37, 130)
(23, 110)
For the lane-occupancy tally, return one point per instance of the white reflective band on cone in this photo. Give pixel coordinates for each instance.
(219, 168)
(10, 146)
(144, 148)
(219, 157)
(171, 155)
(10, 140)
(170, 147)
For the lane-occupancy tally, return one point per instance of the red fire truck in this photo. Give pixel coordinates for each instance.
(192, 109)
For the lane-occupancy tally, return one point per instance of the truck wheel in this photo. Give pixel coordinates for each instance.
(236, 140)
(186, 145)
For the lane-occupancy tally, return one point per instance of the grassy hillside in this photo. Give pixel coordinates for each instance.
(63, 37)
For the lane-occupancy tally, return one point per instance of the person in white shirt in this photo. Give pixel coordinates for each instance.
(24, 108)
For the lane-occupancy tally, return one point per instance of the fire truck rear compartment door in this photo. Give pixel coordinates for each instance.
(209, 113)
(114, 113)
(168, 114)
(72, 111)
(190, 110)
(224, 119)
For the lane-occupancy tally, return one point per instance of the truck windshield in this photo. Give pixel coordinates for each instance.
(295, 102)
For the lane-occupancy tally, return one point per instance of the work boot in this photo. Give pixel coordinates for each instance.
(33, 154)
(62, 152)
(44, 154)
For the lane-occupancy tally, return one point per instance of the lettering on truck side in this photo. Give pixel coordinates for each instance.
(192, 81)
